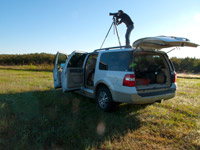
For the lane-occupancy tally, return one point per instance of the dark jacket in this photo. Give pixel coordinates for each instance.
(125, 18)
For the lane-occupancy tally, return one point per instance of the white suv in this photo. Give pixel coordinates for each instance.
(137, 75)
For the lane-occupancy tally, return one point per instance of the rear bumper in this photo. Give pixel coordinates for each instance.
(145, 97)
(137, 99)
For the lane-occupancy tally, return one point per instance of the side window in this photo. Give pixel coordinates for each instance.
(61, 60)
(77, 60)
(116, 61)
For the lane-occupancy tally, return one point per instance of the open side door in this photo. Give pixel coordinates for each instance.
(72, 75)
(58, 68)
(160, 42)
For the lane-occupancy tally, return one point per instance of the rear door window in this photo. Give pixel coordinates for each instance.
(116, 61)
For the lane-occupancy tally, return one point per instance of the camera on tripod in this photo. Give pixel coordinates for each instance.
(114, 23)
(113, 14)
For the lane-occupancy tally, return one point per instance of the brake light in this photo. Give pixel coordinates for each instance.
(175, 79)
(129, 80)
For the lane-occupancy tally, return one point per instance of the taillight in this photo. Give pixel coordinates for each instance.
(129, 80)
(174, 77)
(175, 80)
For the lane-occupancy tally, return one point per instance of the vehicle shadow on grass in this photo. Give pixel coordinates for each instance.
(53, 120)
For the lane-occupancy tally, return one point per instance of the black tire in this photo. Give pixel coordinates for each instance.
(104, 99)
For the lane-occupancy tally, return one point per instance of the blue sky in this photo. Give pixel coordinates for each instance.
(35, 26)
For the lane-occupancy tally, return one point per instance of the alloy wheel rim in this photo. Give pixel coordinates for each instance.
(103, 99)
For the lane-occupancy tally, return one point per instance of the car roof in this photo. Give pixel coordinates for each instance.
(123, 48)
(113, 49)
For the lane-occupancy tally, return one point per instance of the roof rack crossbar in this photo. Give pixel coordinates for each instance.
(109, 48)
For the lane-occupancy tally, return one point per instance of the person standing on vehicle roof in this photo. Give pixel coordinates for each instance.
(129, 24)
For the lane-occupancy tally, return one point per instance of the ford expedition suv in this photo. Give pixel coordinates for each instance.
(138, 75)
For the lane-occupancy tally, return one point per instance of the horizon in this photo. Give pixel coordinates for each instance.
(69, 54)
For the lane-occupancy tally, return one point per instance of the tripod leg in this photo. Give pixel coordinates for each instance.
(107, 34)
(117, 34)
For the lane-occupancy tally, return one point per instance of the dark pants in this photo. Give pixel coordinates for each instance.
(128, 33)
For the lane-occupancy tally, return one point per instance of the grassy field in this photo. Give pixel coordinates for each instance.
(35, 116)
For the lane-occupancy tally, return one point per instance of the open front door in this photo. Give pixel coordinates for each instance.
(72, 75)
(58, 68)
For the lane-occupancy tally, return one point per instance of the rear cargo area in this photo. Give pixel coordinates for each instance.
(151, 70)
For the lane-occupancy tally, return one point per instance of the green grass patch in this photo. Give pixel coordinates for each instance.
(35, 116)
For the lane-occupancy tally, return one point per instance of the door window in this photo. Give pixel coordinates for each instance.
(61, 60)
(77, 60)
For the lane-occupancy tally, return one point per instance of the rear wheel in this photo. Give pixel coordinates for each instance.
(104, 99)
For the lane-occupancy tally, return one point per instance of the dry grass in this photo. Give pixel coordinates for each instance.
(189, 75)
(43, 67)
(35, 116)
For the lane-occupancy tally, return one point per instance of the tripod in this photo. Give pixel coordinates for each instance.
(115, 29)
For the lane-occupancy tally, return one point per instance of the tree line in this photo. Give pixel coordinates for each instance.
(188, 65)
(191, 65)
(27, 59)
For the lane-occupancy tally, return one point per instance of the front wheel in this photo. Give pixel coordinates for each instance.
(104, 99)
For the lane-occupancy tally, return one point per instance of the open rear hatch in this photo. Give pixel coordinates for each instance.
(152, 68)
(160, 42)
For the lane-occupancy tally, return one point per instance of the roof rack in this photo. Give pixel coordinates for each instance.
(109, 48)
